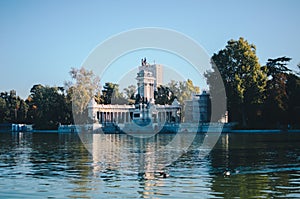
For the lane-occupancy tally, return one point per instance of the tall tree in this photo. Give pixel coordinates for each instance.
(276, 103)
(244, 79)
(4, 111)
(278, 66)
(22, 110)
(84, 87)
(293, 93)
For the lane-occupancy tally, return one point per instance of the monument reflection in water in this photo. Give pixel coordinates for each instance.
(149, 155)
(115, 133)
(262, 165)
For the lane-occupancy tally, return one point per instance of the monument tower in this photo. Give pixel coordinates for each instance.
(155, 69)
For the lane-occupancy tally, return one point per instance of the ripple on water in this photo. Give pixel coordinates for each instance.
(59, 166)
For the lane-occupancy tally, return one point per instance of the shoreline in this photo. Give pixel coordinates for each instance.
(235, 131)
(170, 129)
(263, 131)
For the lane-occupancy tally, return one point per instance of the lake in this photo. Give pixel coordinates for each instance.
(50, 165)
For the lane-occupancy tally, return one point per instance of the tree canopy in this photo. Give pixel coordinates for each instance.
(12, 108)
(244, 79)
(84, 87)
(282, 103)
(112, 95)
(48, 107)
(182, 90)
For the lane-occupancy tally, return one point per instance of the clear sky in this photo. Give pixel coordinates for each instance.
(41, 40)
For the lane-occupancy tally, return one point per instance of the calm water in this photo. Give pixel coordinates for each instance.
(59, 166)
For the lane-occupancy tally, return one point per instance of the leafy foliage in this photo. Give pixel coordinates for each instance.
(83, 89)
(12, 108)
(282, 102)
(130, 93)
(182, 90)
(48, 107)
(111, 94)
(268, 96)
(244, 79)
(164, 95)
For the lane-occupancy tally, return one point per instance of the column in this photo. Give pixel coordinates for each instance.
(159, 117)
(115, 117)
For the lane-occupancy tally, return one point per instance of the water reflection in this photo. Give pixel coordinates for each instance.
(146, 156)
(53, 165)
(41, 163)
(261, 165)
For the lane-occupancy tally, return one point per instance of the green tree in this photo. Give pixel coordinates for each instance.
(130, 93)
(293, 92)
(13, 109)
(183, 90)
(163, 95)
(112, 95)
(98, 97)
(83, 88)
(174, 87)
(187, 89)
(276, 103)
(22, 110)
(4, 111)
(68, 116)
(13, 105)
(278, 66)
(48, 107)
(244, 80)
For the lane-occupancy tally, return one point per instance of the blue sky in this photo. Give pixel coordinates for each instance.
(41, 40)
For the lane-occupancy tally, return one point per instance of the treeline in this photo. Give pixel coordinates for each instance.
(258, 96)
(46, 107)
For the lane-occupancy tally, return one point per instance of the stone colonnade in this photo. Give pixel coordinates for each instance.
(101, 113)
